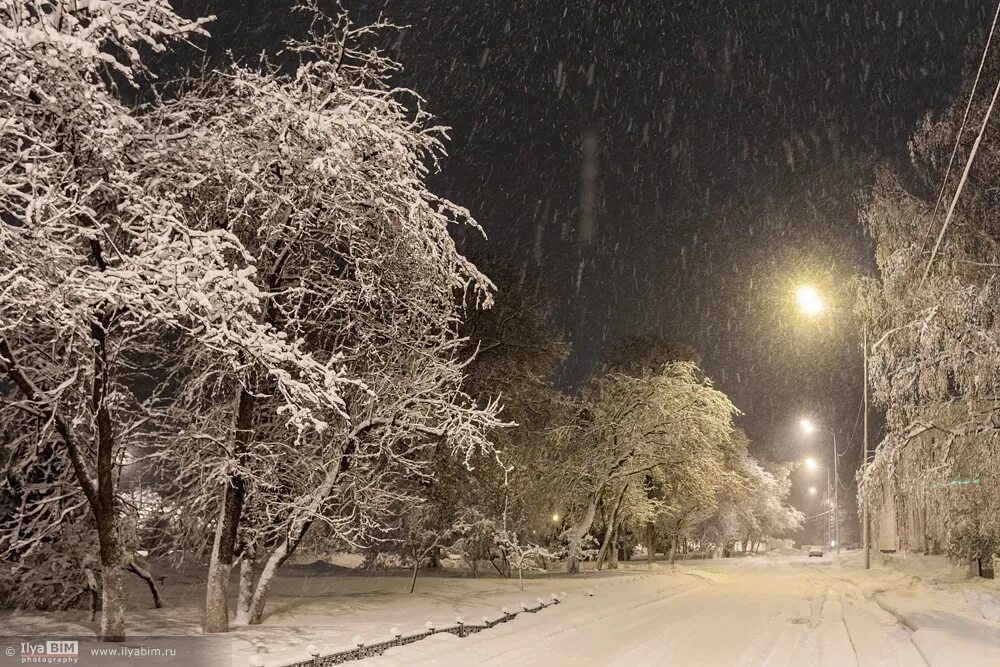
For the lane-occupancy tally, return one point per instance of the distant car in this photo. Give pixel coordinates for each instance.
(815, 551)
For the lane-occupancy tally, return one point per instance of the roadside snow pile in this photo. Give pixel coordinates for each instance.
(987, 604)
(954, 619)
(360, 649)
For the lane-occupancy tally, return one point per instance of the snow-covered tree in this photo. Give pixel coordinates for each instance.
(935, 334)
(631, 425)
(750, 506)
(767, 514)
(318, 167)
(515, 352)
(88, 259)
(690, 494)
(103, 259)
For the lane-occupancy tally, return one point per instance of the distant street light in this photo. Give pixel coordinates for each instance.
(811, 463)
(809, 302)
(555, 518)
(812, 490)
(809, 427)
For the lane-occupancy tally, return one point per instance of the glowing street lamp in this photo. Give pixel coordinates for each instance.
(811, 463)
(812, 490)
(809, 300)
(555, 518)
(807, 426)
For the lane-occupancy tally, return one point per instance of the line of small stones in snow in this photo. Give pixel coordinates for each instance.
(460, 629)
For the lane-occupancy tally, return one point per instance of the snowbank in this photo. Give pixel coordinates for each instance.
(954, 619)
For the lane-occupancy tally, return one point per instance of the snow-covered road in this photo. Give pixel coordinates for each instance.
(770, 612)
(766, 610)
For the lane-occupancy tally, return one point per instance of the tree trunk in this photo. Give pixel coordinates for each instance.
(112, 575)
(505, 570)
(95, 593)
(416, 568)
(144, 574)
(226, 530)
(254, 613)
(673, 549)
(112, 594)
(248, 563)
(297, 526)
(297, 529)
(112, 557)
(651, 542)
(573, 563)
(493, 562)
(613, 554)
(577, 533)
(610, 530)
(221, 563)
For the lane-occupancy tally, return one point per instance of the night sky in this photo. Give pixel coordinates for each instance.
(735, 138)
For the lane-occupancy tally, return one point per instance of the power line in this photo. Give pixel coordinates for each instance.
(968, 163)
(850, 444)
(857, 420)
(965, 116)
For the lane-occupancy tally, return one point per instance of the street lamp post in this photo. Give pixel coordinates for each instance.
(811, 304)
(809, 427)
(829, 505)
(865, 535)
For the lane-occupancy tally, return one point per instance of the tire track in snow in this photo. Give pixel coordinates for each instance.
(604, 614)
(835, 646)
(879, 636)
(684, 636)
(498, 646)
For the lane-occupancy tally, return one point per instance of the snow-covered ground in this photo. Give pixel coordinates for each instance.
(774, 610)
(758, 611)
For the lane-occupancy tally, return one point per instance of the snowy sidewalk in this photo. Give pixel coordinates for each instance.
(951, 619)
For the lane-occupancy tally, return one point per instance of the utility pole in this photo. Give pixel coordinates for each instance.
(864, 462)
(836, 493)
(829, 505)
